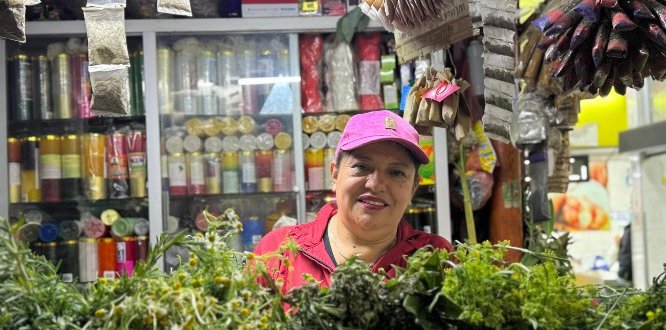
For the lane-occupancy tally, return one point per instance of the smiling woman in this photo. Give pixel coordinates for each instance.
(375, 176)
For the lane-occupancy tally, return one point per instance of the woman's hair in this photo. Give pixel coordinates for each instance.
(344, 154)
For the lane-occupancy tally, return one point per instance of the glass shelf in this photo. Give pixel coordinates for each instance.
(74, 125)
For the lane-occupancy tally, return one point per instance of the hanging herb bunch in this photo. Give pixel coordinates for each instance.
(598, 45)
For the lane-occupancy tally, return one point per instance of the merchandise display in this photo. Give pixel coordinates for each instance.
(68, 165)
(227, 130)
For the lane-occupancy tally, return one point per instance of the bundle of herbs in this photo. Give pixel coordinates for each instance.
(472, 287)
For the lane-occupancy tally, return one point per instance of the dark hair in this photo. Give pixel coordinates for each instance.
(342, 154)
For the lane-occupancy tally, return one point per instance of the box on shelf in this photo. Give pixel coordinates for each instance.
(270, 8)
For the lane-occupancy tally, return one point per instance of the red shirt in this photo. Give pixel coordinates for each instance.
(313, 259)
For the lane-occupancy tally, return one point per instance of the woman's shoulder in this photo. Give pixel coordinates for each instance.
(277, 237)
(435, 241)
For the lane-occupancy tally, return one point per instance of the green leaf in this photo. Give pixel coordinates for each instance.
(352, 22)
(416, 305)
(444, 304)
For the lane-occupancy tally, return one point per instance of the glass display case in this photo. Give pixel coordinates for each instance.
(227, 107)
(76, 181)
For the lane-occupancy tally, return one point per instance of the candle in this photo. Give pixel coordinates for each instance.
(177, 174)
(136, 144)
(94, 169)
(88, 261)
(248, 172)
(196, 184)
(30, 186)
(70, 146)
(106, 256)
(282, 170)
(314, 164)
(116, 157)
(264, 165)
(14, 157)
(50, 168)
(230, 172)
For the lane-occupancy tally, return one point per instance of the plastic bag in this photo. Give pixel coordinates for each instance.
(12, 20)
(538, 206)
(529, 123)
(205, 8)
(107, 42)
(369, 53)
(144, 9)
(110, 85)
(340, 69)
(480, 188)
(311, 51)
(175, 7)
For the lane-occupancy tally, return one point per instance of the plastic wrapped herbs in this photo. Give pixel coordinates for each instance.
(107, 43)
(529, 123)
(12, 20)
(108, 57)
(175, 7)
(110, 85)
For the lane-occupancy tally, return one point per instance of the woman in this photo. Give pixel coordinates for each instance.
(375, 176)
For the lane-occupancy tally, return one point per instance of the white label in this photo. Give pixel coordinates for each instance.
(256, 239)
(249, 172)
(279, 169)
(164, 163)
(230, 180)
(196, 172)
(316, 178)
(328, 180)
(369, 78)
(110, 274)
(177, 174)
(121, 255)
(68, 277)
(14, 174)
(50, 167)
(427, 229)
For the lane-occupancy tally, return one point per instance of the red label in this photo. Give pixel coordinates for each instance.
(441, 91)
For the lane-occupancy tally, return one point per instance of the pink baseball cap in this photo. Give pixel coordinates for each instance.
(382, 125)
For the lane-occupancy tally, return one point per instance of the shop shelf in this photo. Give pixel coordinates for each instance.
(74, 126)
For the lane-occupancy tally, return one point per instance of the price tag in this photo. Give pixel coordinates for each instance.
(441, 91)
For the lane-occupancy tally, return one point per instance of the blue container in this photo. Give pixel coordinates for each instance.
(48, 232)
(253, 231)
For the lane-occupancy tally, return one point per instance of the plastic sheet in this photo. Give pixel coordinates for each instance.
(107, 42)
(311, 55)
(340, 70)
(369, 52)
(175, 7)
(12, 20)
(529, 123)
(110, 85)
(205, 8)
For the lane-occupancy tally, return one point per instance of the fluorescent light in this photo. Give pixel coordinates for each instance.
(269, 80)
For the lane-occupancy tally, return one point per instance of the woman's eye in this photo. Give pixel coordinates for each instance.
(360, 166)
(399, 173)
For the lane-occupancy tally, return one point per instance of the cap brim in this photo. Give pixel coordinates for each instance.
(420, 155)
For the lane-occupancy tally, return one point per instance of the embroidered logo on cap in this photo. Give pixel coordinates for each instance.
(389, 123)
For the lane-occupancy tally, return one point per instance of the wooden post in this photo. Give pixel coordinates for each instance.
(506, 221)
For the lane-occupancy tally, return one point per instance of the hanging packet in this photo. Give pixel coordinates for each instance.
(175, 7)
(108, 57)
(12, 20)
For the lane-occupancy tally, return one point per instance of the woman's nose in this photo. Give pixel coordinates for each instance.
(375, 182)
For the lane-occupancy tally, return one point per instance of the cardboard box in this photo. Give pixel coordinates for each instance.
(335, 7)
(269, 8)
(455, 25)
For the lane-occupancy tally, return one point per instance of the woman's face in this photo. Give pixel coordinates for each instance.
(373, 186)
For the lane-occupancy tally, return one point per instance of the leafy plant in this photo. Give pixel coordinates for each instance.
(472, 287)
